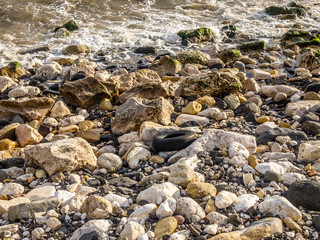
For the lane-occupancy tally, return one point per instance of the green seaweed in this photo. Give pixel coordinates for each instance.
(253, 46)
(295, 33)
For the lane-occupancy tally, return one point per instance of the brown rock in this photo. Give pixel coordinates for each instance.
(13, 70)
(76, 49)
(31, 109)
(87, 92)
(130, 115)
(201, 189)
(166, 65)
(27, 135)
(8, 131)
(96, 207)
(7, 144)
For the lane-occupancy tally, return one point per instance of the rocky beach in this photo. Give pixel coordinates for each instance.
(206, 134)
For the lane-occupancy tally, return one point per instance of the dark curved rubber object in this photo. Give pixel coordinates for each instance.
(173, 141)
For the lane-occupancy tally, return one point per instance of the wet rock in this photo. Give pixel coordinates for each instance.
(214, 83)
(13, 70)
(165, 226)
(190, 208)
(28, 210)
(55, 156)
(224, 199)
(197, 36)
(86, 92)
(166, 65)
(309, 151)
(308, 59)
(280, 206)
(304, 193)
(257, 46)
(272, 134)
(201, 189)
(230, 55)
(146, 50)
(49, 71)
(70, 26)
(161, 191)
(27, 135)
(130, 115)
(128, 81)
(96, 207)
(31, 109)
(263, 228)
(76, 49)
(197, 57)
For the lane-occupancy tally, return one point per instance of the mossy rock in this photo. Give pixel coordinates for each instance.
(276, 10)
(301, 38)
(256, 46)
(309, 59)
(198, 35)
(166, 66)
(230, 55)
(229, 30)
(197, 57)
(13, 70)
(70, 26)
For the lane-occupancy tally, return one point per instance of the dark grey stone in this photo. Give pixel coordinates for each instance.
(311, 127)
(272, 134)
(272, 176)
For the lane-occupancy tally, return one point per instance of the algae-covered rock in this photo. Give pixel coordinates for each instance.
(281, 10)
(13, 70)
(166, 65)
(230, 55)
(70, 26)
(252, 46)
(229, 30)
(198, 35)
(214, 83)
(193, 57)
(299, 37)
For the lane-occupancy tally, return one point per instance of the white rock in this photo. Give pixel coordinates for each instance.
(247, 178)
(11, 189)
(245, 201)
(143, 237)
(74, 120)
(309, 151)
(280, 206)
(141, 214)
(189, 208)
(53, 223)
(129, 137)
(276, 156)
(236, 149)
(258, 74)
(271, 91)
(136, 155)
(149, 130)
(167, 208)
(216, 138)
(262, 128)
(300, 107)
(182, 235)
(289, 178)
(181, 119)
(211, 229)
(59, 110)
(210, 112)
(41, 192)
(132, 230)
(110, 161)
(75, 203)
(27, 135)
(270, 166)
(122, 201)
(50, 122)
(6, 83)
(217, 218)
(159, 193)
(101, 226)
(22, 91)
(64, 195)
(225, 199)
(37, 233)
(74, 178)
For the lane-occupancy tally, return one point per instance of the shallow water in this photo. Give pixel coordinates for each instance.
(117, 27)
